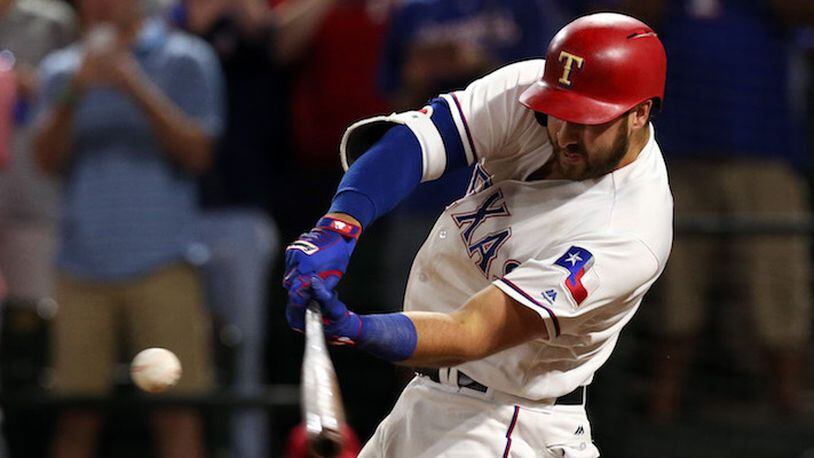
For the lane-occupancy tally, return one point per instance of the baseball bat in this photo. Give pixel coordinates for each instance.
(322, 408)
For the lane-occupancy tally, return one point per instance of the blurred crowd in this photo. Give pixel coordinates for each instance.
(155, 156)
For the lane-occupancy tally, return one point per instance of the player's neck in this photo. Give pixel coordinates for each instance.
(638, 140)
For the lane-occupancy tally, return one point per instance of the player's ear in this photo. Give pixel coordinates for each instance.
(640, 114)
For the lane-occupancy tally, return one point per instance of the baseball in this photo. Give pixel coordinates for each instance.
(155, 369)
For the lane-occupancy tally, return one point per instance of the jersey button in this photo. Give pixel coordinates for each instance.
(422, 276)
(442, 234)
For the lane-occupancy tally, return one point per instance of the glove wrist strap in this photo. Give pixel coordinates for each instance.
(343, 228)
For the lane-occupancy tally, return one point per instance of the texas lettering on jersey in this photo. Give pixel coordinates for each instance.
(484, 249)
(481, 179)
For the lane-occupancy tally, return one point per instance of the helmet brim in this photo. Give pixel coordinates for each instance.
(569, 105)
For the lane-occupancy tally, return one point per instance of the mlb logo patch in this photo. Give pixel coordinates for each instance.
(581, 280)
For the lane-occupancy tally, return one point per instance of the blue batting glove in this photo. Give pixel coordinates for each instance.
(341, 326)
(390, 336)
(324, 251)
(299, 295)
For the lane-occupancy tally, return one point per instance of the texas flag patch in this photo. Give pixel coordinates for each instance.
(581, 280)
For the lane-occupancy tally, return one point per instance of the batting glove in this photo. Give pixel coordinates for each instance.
(341, 326)
(324, 251)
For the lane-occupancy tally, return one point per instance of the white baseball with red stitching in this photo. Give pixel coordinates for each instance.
(155, 369)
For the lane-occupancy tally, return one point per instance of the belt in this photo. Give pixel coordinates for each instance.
(574, 398)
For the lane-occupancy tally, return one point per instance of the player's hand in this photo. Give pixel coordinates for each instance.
(341, 326)
(324, 251)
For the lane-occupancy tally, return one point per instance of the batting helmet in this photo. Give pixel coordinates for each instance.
(597, 68)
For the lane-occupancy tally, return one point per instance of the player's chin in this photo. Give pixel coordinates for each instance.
(573, 168)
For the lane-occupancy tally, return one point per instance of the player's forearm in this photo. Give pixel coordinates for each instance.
(488, 323)
(415, 339)
(445, 340)
(425, 339)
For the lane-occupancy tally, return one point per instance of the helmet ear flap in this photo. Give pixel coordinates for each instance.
(542, 118)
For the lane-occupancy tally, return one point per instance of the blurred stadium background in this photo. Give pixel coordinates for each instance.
(726, 374)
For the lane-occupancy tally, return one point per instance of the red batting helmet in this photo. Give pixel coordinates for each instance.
(597, 68)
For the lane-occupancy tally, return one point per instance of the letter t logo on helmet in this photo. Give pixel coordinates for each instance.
(597, 68)
(570, 59)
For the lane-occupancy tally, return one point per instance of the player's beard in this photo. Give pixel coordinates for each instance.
(594, 165)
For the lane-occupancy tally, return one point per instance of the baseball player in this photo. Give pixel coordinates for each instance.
(520, 291)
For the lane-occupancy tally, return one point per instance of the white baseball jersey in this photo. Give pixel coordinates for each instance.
(579, 253)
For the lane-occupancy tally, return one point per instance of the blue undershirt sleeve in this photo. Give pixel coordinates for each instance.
(392, 168)
(382, 177)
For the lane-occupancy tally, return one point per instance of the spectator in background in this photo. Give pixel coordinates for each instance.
(333, 84)
(29, 29)
(733, 148)
(128, 117)
(255, 43)
(436, 46)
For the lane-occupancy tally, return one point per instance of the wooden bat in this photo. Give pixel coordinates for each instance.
(322, 409)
